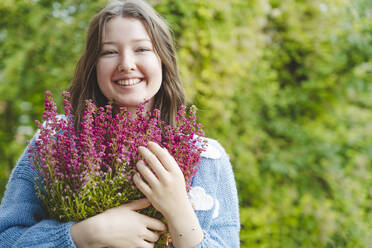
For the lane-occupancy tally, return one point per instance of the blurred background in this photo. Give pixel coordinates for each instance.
(284, 85)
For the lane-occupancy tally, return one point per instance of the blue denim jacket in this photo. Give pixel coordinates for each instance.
(23, 221)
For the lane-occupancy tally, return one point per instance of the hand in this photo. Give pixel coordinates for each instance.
(164, 186)
(119, 227)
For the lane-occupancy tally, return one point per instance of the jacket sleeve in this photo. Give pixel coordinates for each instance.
(215, 200)
(23, 221)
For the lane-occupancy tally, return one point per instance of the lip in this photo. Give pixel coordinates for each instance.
(141, 80)
(127, 77)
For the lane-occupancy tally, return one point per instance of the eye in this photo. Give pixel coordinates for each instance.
(143, 49)
(108, 52)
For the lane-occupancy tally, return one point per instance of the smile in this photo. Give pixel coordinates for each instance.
(128, 82)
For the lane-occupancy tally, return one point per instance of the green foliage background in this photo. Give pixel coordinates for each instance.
(284, 85)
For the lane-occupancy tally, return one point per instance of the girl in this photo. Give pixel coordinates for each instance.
(130, 58)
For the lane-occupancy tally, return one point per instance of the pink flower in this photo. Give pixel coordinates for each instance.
(89, 170)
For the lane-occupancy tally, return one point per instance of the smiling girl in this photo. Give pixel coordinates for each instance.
(130, 58)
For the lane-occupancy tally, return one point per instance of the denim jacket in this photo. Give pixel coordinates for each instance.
(213, 195)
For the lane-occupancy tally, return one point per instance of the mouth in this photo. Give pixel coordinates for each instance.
(128, 82)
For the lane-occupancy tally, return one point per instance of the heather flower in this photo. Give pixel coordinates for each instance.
(81, 173)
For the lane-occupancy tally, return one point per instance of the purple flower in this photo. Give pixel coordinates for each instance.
(88, 170)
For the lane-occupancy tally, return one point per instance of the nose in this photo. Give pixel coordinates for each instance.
(127, 62)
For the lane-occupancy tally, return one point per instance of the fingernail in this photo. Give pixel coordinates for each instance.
(152, 143)
(136, 176)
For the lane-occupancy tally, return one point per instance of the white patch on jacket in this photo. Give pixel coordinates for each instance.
(216, 209)
(211, 152)
(200, 200)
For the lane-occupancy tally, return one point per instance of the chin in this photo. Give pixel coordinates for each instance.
(129, 104)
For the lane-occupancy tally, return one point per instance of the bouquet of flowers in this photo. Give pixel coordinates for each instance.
(84, 171)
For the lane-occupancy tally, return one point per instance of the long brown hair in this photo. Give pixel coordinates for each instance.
(84, 83)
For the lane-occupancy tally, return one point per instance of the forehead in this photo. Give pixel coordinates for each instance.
(125, 29)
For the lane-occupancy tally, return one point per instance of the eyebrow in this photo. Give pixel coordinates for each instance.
(135, 40)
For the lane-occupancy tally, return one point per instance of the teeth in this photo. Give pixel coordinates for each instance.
(128, 82)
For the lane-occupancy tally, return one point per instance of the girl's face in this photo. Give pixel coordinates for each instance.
(129, 70)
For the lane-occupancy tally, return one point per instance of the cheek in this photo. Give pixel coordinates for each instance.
(154, 68)
(104, 69)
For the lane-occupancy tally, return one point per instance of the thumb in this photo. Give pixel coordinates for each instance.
(138, 204)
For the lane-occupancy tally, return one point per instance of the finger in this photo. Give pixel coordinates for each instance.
(164, 156)
(146, 244)
(147, 174)
(153, 162)
(141, 185)
(151, 236)
(137, 204)
(155, 224)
